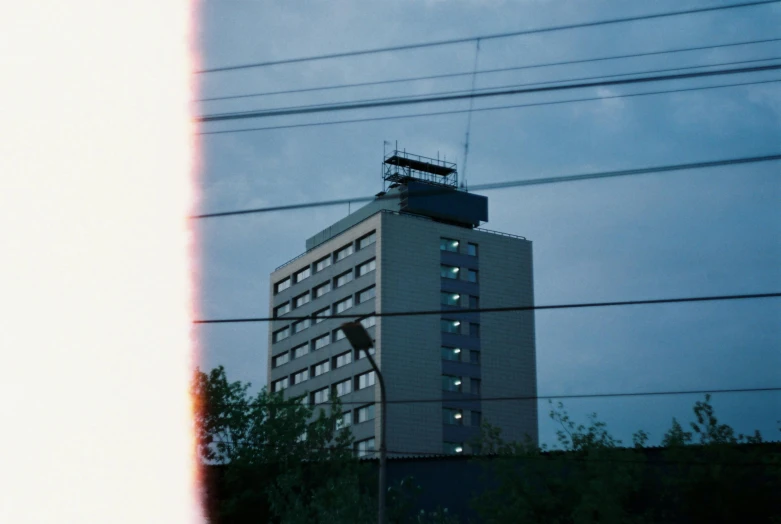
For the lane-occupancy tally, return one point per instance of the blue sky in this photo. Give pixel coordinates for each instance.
(704, 232)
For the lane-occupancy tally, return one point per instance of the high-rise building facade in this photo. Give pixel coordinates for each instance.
(415, 248)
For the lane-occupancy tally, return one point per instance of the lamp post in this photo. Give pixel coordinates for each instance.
(360, 340)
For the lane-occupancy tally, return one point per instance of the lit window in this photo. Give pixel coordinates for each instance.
(477, 418)
(451, 383)
(321, 395)
(344, 278)
(281, 310)
(446, 271)
(365, 380)
(367, 267)
(367, 240)
(321, 342)
(343, 253)
(453, 448)
(280, 359)
(338, 335)
(320, 368)
(450, 299)
(282, 285)
(345, 421)
(453, 417)
(448, 244)
(300, 376)
(343, 359)
(451, 353)
(303, 274)
(474, 302)
(368, 322)
(474, 330)
(365, 413)
(366, 294)
(281, 334)
(321, 314)
(322, 263)
(343, 305)
(322, 289)
(362, 354)
(450, 326)
(279, 385)
(300, 325)
(471, 249)
(364, 447)
(471, 275)
(474, 386)
(300, 351)
(474, 357)
(344, 387)
(301, 299)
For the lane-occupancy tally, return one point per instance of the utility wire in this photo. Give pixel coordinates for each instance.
(484, 71)
(421, 45)
(453, 97)
(452, 312)
(512, 183)
(494, 108)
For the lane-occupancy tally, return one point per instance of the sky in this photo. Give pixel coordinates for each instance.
(711, 231)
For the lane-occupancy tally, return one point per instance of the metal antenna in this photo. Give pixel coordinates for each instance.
(469, 114)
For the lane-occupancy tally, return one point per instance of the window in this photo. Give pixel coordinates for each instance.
(450, 326)
(448, 244)
(365, 380)
(474, 386)
(453, 448)
(322, 289)
(343, 359)
(344, 278)
(300, 376)
(474, 357)
(451, 383)
(321, 314)
(338, 335)
(279, 385)
(451, 353)
(365, 413)
(320, 368)
(322, 263)
(366, 294)
(366, 267)
(471, 275)
(344, 387)
(474, 302)
(342, 305)
(320, 342)
(321, 395)
(280, 359)
(450, 299)
(281, 310)
(364, 447)
(454, 417)
(362, 354)
(471, 249)
(367, 240)
(301, 299)
(368, 322)
(474, 330)
(282, 285)
(300, 351)
(344, 252)
(345, 421)
(281, 334)
(446, 271)
(298, 276)
(477, 418)
(300, 325)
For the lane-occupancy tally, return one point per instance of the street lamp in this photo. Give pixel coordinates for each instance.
(360, 340)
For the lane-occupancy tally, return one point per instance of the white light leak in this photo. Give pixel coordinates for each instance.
(95, 161)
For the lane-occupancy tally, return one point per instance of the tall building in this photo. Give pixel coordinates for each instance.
(416, 247)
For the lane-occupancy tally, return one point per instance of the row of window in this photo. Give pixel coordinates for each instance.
(455, 417)
(339, 389)
(321, 289)
(454, 246)
(457, 327)
(337, 307)
(315, 343)
(452, 383)
(358, 416)
(457, 299)
(454, 273)
(458, 355)
(319, 265)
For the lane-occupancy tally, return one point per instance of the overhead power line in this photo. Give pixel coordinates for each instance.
(493, 108)
(512, 183)
(455, 312)
(484, 71)
(495, 36)
(299, 110)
